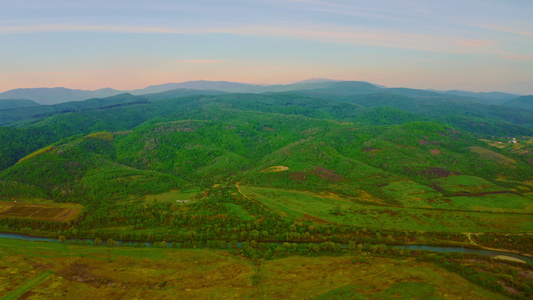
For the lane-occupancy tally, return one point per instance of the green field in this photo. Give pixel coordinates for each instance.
(472, 193)
(369, 278)
(52, 270)
(294, 204)
(467, 184)
(174, 196)
(239, 211)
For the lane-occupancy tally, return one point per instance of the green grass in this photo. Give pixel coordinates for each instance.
(239, 211)
(495, 202)
(172, 196)
(53, 270)
(28, 285)
(293, 205)
(493, 156)
(410, 290)
(84, 272)
(465, 183)
(377, 278)
(346, 292)
(412, 194)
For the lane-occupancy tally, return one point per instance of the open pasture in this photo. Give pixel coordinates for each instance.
(348, 277)
(85, 272)
(36, 270)
(43, 212)
(173, 196)
(464, 184)
(294, 204)
(493, 156)
(412, 194)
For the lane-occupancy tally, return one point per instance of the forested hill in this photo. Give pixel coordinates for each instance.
(525, 102)
(29, 129)
(235, 167)
(14, 103)
(204, 140)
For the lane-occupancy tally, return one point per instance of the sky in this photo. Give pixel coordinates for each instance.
(475, 45)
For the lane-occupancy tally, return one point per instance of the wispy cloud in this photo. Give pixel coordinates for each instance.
(201, 61)
(89, 28)
(476, 43)
(389, 38)
(525, 30)
(518, 57)
(343, 35)
(355, 36)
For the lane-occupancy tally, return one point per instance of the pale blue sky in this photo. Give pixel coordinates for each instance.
(468, 44)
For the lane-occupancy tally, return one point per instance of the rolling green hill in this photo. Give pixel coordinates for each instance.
(202, 141)
(389, 163)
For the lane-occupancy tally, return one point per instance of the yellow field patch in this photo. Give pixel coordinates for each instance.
(276, 169)
(45, 212)
(37, 153)
(493, 156)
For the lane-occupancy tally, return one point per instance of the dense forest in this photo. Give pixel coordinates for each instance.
(310, 170)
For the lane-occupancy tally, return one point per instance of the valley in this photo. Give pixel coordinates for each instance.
(298, 190)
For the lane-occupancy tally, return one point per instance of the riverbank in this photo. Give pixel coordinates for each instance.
(424, 247)
(473, 243)
(509, 258)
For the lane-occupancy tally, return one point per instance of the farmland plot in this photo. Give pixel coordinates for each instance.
(43, 212)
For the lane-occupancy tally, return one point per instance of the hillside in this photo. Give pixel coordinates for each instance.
(15, 103)
(525, 102)
(497, 98)
(205, 141)
(38, 126)
(305, 173)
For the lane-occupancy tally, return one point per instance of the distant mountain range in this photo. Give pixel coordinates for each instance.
(16, 103)
(48, 96)
(525, 102)
(491, 97)
(315, 86)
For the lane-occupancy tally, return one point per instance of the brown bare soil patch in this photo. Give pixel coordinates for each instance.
(27, 295)
(78, 272)
(44, 212)
(298, 176)
(435, 151)
(438, 172)
(327, 174)
(371, 150)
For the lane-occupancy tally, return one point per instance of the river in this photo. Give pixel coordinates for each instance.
(440, 249)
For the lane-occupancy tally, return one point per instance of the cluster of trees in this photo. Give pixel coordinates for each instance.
(520, 241)
(201, 141)
(501, 279)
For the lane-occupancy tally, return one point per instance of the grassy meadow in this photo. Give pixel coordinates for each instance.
(173, 196)
(294, 204)
(34, 270)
